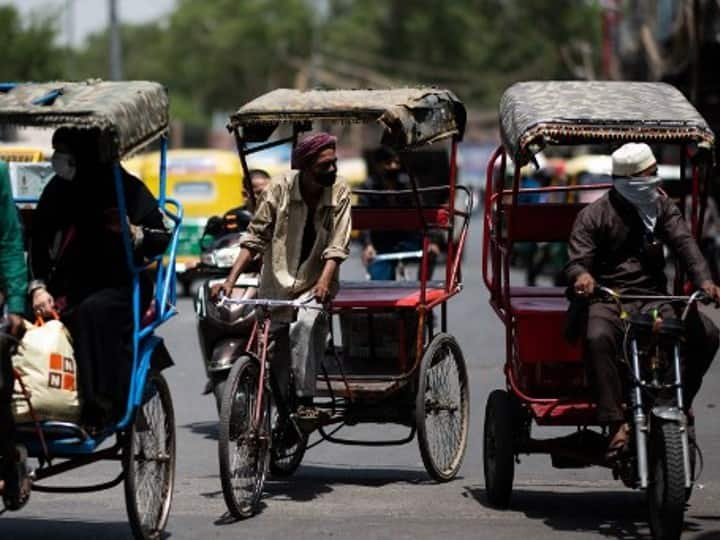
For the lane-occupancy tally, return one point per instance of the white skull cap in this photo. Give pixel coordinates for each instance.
(631, 159)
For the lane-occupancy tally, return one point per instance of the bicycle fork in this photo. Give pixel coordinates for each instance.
(662, 414)
(639, 419)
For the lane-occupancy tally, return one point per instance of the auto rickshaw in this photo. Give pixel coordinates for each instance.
(127, 116)
(546, 382)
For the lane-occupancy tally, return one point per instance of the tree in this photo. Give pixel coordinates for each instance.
(29, 50)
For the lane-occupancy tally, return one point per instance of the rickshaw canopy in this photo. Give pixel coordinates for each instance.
(534, 114)
(410, 116)
(128, 115)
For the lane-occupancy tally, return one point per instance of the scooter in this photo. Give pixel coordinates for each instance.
(223, 330)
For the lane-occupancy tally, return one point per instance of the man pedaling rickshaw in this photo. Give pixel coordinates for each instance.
(302, 228)
(617, 242)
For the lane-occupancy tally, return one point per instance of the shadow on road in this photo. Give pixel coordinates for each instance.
(311, 482)
(41, 529)
(209, 430)
(615, 514)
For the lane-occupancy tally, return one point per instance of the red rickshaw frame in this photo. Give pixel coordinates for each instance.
(526, 132)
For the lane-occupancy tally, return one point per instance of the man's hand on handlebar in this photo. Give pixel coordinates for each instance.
(220, 290)
(584, 285)
(712, 291)
(321, 291)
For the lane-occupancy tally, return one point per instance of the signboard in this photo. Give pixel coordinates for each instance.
(29, 179)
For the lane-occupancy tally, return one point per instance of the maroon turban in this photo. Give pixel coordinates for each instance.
(309, 147)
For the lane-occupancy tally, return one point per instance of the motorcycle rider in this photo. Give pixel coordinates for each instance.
(617, 241)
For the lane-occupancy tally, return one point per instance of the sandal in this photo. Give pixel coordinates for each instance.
(17, 484)
(618, 443)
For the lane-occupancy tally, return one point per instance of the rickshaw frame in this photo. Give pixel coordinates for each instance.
(524, 137)
(533, 115)
(410, 118)
(112, 110)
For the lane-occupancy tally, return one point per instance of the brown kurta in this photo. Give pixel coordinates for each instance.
(610, 242)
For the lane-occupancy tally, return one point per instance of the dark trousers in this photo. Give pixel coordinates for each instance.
(603, 348)
(7, 424)
(101, 328)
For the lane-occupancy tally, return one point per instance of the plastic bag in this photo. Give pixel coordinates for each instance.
(45, 363)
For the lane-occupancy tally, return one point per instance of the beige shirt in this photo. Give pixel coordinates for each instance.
(277, 229)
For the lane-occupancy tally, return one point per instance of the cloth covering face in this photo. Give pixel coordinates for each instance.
(642, 193)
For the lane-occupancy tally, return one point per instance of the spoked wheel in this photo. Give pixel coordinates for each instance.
(287, 449)
(498, 451)
(666, 487)
(442, 408)
(244, 441)
(149, 461)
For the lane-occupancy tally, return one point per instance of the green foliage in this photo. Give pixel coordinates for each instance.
(216, 54)
(29, 49)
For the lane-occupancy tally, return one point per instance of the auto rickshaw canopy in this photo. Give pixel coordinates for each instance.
(410, 116)
(534, 114)
(128, 114)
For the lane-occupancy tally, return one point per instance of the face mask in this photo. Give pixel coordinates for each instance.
(326, 179)
(642, 193)
(64, 165)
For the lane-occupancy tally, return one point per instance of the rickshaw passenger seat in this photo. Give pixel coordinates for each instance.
(548, 364)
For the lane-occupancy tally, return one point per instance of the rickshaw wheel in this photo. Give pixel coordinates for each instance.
(287, 449)
(498, 451)
(442, 408)
(666, 487)
(149, 461)
(243, 447)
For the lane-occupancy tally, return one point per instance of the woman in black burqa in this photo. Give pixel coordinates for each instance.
(77, 249)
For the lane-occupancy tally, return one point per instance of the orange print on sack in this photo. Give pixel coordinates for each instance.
(56, 362)
(68, 383)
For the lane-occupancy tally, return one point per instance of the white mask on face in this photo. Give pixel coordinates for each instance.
(64, 165)
(642, 193)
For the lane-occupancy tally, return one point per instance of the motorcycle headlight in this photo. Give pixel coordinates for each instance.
(225, 257)
(208, 259)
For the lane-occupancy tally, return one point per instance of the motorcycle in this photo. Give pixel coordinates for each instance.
(223, 330)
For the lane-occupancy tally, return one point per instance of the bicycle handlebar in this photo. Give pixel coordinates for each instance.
(267, 302)
(697, 296)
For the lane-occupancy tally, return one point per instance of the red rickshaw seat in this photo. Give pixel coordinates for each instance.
(385, 294)
(540, 329)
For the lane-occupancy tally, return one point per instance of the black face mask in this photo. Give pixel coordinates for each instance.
(326, 179)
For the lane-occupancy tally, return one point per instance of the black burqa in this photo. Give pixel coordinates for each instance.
(76, 251)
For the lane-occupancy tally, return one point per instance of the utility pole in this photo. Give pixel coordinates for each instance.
(116, 70)
(70, 36)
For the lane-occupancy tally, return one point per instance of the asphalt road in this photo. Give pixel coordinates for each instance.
(359, 492)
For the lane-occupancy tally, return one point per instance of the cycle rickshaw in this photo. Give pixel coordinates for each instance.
(546, 379)
(390, 366)
(128, 116)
